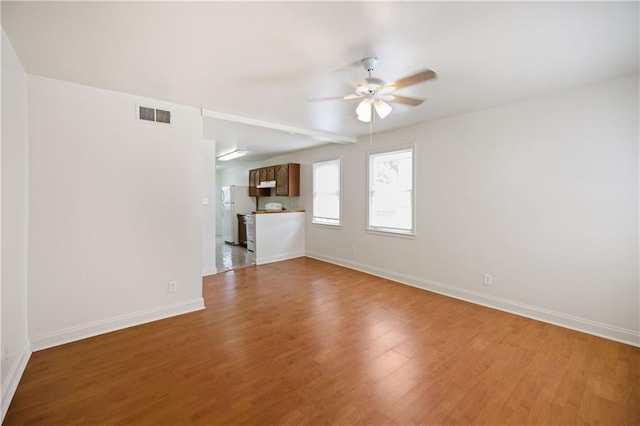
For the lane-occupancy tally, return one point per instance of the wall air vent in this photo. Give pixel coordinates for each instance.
(163, 116)
(153, 114)
(147, 114)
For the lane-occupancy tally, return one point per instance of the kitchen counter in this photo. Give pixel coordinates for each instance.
(278, 211)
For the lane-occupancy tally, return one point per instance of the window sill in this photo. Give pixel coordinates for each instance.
(327, 225)
(397, 234)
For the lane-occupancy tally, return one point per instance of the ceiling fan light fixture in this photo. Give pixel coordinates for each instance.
(382, 108)
(364, 110)
(364, 118)
(376, 91)
(232, 155)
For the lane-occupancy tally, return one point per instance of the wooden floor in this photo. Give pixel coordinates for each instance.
(306, 342)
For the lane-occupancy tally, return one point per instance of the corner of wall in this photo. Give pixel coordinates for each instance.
(95, 328)
(212, 270)
(13, 376)
(14, 341)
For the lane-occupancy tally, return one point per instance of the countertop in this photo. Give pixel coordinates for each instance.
(278, 211)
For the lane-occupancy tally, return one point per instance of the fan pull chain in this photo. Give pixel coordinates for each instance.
(373, 117)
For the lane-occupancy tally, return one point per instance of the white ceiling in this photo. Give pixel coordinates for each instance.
(266, 60)
(261, 143)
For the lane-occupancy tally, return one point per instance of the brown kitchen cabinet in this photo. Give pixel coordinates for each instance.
(271, 172)
(254, 180)
(288, 179)
(267, 173)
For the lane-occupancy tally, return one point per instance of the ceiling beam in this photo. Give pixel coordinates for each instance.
(322, 136)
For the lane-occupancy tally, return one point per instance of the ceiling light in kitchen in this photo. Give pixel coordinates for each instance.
(231, 155)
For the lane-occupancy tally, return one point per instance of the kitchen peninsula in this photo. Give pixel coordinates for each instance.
(279, 235)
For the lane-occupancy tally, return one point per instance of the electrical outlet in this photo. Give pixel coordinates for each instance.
(354, 250)
(172, 286)
(488, 279)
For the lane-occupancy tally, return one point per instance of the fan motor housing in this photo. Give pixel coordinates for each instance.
(369, 63)
(370, 86)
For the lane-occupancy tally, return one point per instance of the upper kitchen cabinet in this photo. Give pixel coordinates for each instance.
(254, 180)
(267, 173)
(285, 178)
(288, 179)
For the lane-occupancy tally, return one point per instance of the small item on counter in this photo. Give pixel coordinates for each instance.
(273, 207)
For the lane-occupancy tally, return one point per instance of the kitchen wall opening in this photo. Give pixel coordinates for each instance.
(235, 247)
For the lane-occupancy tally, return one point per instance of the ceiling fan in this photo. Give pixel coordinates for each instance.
(375, 92)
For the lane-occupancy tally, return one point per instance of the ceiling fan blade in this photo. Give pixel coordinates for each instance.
(412, 79)
(382, 108)
(405, 100)
(354, 96)
(328, 98)
(349, 67)
(385, 90)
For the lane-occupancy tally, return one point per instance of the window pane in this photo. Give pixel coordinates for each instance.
(392, 171)
(327, 179)
(391, 190)
(327, 205)
(390, 210)
(326, 192)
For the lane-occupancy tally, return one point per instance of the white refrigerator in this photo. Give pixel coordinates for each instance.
(234, 200)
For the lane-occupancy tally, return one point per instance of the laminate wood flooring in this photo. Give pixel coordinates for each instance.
(307, 342)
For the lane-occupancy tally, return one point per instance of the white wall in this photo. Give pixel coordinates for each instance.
(15, 342)
(541, 194)
(235, 176)
(219, 185)
(209, 221)
(279, 236)
(115, 212)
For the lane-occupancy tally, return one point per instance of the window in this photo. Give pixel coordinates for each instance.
(326, 192)
(391, 191)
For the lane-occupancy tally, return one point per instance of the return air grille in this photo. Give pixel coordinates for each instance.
(153, 114)
(163, 116)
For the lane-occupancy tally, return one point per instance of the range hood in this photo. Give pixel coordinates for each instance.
(267, 184)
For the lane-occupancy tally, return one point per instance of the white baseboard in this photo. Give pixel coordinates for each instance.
(12, 379)
(280, 257)
(210, 270)
(595, 328)
(116, 323)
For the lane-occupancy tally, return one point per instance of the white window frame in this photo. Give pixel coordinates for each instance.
(313, 195)
(386, 230)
